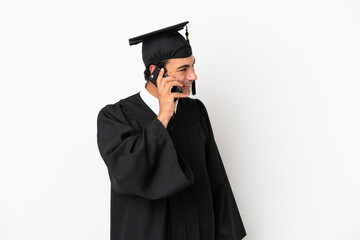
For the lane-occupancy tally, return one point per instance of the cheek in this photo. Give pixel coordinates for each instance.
(180, 76)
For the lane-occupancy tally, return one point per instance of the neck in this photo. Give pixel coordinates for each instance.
(152, 89)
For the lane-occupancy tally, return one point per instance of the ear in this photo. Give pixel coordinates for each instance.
(152, 68)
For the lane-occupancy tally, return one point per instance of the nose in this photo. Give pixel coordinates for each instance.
(191, 74)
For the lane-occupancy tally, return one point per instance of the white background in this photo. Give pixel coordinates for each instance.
(280, 80)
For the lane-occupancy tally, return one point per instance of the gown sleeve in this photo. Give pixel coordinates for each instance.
(228, 222)
(140, 162)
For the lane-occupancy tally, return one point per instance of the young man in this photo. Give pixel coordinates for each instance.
(168, 181)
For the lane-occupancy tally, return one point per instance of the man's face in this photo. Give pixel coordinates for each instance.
(183, 70)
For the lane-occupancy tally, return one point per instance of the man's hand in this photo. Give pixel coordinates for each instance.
(166, 97)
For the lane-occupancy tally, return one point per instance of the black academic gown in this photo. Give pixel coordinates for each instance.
(166, 183)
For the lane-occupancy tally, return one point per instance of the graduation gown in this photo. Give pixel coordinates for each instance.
(166, 183)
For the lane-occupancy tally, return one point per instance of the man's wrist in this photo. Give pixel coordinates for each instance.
(164, 119)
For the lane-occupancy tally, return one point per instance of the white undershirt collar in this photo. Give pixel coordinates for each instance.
(152, 101)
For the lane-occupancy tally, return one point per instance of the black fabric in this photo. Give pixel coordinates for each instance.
(166, 43)
(166, 183)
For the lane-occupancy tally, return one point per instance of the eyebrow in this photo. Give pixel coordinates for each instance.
(186, 65)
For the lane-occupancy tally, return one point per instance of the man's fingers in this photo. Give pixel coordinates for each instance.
(163, 80)
(169, 79)
(160, 76)
(180, 95)
(172, 83)
(167, 82)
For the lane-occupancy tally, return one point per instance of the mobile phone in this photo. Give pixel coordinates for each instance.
(154, 76)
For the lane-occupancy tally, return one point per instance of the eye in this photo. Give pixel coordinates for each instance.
(183, 70)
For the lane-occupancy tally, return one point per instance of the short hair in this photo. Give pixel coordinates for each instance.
(160, 64)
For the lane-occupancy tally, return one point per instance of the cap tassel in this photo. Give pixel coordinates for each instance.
(187, 35)
(193, 90)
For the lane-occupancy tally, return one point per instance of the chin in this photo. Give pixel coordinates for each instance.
(186, 91)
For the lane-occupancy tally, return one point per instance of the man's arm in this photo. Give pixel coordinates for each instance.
(140, 163)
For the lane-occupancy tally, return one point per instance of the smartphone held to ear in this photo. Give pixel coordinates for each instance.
(154, 76)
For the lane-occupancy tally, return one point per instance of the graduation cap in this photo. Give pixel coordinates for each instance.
(165, 43)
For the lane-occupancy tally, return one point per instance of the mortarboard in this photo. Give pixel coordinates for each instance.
(165, 43)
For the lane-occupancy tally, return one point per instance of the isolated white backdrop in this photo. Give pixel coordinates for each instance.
(280, 80)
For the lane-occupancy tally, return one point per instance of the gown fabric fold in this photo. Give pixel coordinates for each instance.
(166, 183)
